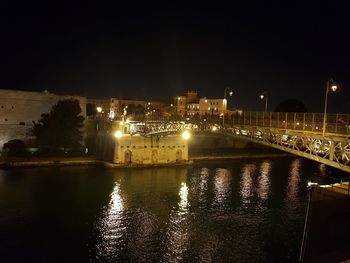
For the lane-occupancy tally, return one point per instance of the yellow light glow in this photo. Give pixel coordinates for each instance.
(118, 134)
(214, 128)
(334, 87)
(186, 135)
(121, 123)
(99, 109)
(206, 101)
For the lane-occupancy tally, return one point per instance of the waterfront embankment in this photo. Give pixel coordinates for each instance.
(44, 162)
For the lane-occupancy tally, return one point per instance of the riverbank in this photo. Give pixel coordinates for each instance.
(238, 156)
(88, 161)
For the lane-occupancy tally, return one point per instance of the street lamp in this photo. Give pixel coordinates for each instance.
(265, 96)
(230, 93)
(333, 87)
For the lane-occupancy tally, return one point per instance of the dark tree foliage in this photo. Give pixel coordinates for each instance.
(15, 148)
(61, 127)
(291, 105)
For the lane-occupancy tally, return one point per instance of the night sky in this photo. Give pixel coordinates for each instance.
(134, 49)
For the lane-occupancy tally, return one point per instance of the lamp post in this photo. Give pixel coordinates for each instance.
(230, 92)
(330, 84)
(265, 96)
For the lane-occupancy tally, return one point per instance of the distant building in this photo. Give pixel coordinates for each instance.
(119, 107)
(191, 105)
(212, 106)
(193, 108)
(19, 109)
(97, 106)
(181, 102)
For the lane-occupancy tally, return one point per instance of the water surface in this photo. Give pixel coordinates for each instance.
(232, 211)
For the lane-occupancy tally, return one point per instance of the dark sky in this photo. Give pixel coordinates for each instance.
(135, 49)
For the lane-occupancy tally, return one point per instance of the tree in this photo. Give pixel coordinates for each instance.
(61, 127)
(291, 105)
(15, 148)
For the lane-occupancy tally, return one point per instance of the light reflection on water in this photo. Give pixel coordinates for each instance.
(247, 182)
(293, 180)
(236, 211)
(222, 184)
(264, 180)
(177, 236)
(111, 225)
(200, 202)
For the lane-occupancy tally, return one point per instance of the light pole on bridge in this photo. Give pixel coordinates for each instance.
(230, 92)
(265, 96)
(333, 86)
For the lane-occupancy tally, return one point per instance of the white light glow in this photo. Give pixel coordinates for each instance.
(118, 134)
(186, 135)
(183, 195)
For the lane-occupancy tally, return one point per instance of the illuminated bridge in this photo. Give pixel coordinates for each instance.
(310, 135)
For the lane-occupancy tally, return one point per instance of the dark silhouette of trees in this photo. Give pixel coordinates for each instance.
(61, 127)
(291, 105)
(15, 148)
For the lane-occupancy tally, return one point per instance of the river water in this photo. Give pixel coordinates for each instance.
(233, 211)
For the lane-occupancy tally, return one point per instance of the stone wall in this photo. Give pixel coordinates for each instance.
(150, 150)
(18, 110)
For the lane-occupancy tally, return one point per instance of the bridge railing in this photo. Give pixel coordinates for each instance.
(311, 122)
(335, 123)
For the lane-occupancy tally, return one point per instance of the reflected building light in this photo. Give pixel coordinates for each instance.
(183, 196)
(179, 229)
(116, 204)
(111, 225)
(293, 180)
(264, 180)
(204, 178)
(222, 184)
(247, 182)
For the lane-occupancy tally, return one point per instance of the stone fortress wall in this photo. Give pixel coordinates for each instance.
(18, 110)
(150, 150)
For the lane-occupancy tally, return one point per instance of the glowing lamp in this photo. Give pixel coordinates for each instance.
(186, 135)
(118, 134)
(334, 87)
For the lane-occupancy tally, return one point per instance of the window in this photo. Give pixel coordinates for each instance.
(22, 123)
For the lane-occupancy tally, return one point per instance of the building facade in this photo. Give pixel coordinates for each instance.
(212, 106)
(119, 107)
